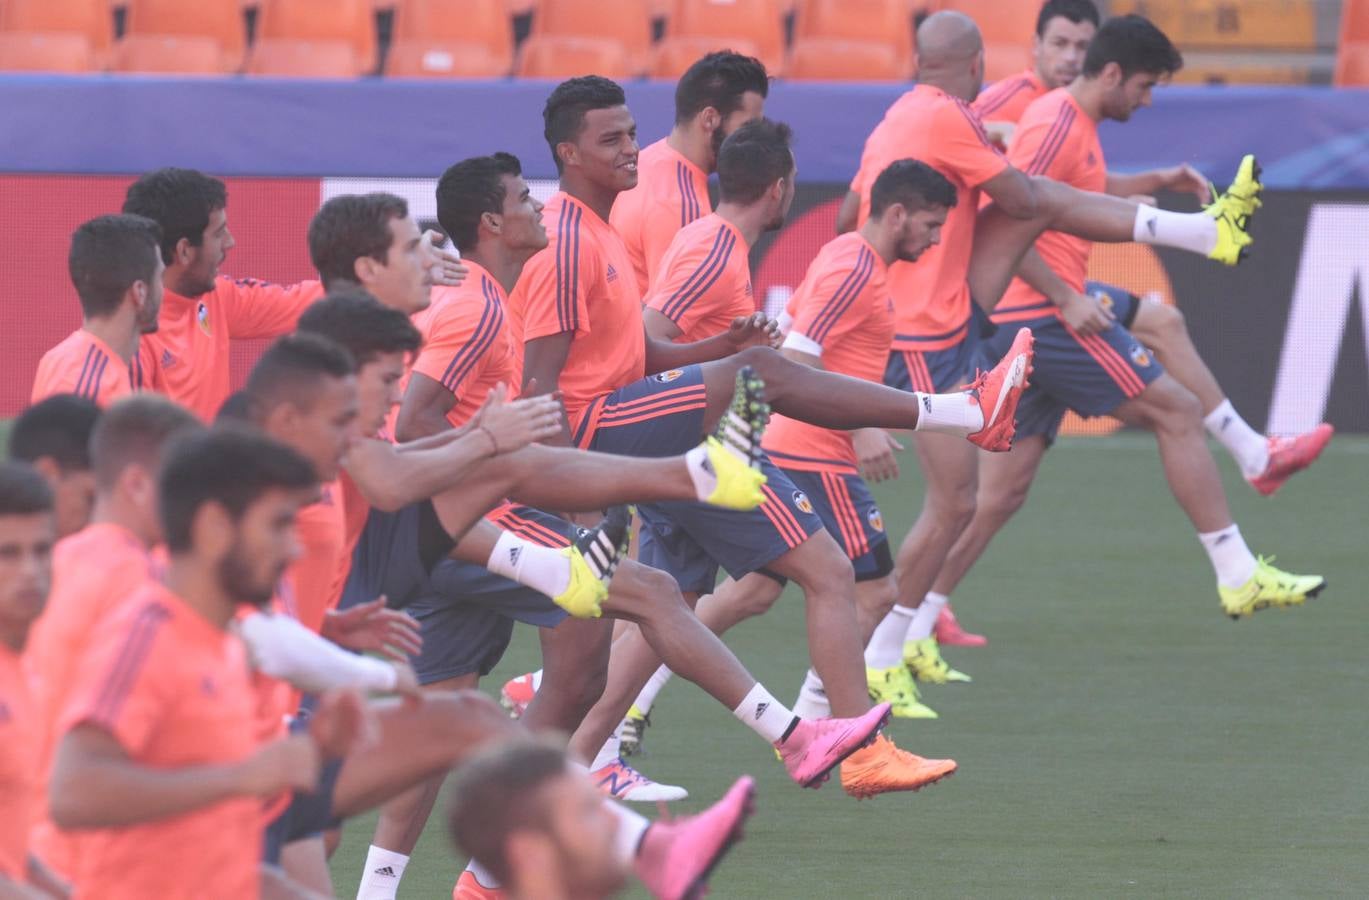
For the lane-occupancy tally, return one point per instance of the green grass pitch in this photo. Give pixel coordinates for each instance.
(1122, 738)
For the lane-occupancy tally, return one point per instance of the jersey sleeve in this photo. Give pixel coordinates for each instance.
(118, 687)
(555, 287)
(260, 309)
(696, 281)
(964, 148)
(458, 344)
(833, 305)
(1042, 145)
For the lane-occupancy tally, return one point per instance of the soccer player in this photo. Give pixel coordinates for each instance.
(116, 267)
(158, 765)
(715, 96)
(27, 533)
(1107, 371)
(580, 322)
(187, 357)
(523, 811)
(936, 329)
(54, 437)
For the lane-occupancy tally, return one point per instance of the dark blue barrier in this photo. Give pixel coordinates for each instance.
(1307, 137)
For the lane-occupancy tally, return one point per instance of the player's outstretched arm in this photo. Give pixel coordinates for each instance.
(755, 330)
(1181, 178)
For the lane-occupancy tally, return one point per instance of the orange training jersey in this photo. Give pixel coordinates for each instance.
(931, 297)
(322, 531)
(1055, 138)
(1006, 100)
(189, 352)
(20, 798)
(671, 192)
(705, 279)
(467, 347)
(172, 688)
(94, 571)
(85, 366)
(842, 314)
(582, 283)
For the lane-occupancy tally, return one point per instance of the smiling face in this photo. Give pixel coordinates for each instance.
(605, 151)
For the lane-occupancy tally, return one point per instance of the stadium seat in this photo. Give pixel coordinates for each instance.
(221, 20)
(674, 55)
(1005, 60)
(627, 21)
(91, 18)
(45, 51)
(411, 58)
(172, 54)
(1354, 21)
(727, 21)
(351, 21)
(548, 56)
(287, 58)
(887, 22)
(830, 59)
(1352, 65)
(1231, 24)
(1000, 21)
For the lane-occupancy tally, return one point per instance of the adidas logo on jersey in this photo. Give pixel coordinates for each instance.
(167, 359)
(612, 273)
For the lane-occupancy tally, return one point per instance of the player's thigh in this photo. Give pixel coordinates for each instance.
(1165, 403)
(1006, 478)
(950, 468)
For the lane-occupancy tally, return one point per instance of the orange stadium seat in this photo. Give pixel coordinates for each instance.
(887, 22)
(287, 58)
(1000, 21)
(221, 20)
(91, 18)
(626, 21)
(1354, 21)
(173, 54)
(351, 21)
(758, 21)
(451, 39)
(831, 59)
(1234, 24)
(1352, 65)
(45, 51)
(674, 55)
(564, 56)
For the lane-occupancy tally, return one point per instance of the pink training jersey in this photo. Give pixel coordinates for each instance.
(704, 281)
(1008, 99)
(671, 192)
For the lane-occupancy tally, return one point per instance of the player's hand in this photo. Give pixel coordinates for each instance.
(1087, 313)
(371, 626)
(290, 764)
(341, 723)
(755, 330)
(1000, 134)
(406, 683)
(446, 268)
(875, 449)
(1187, 180)
(512, 425)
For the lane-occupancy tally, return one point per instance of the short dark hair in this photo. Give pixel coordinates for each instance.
(134, 430)
(23, 492)
(291, 369)
(108, 254)
(349, 227)
(719, 80)
(180, 201)
(1135, 44)
(361, 324)
(58, 428)
(231, 466)
(1076, 11)
(563, 117)
(497, 793)
(911, 183)
(753, 158)
(468, 190)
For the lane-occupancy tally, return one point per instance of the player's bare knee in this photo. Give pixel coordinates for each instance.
(642, 593)
(762, 596)
(1003, 504)
(467, 714)
(824, 567)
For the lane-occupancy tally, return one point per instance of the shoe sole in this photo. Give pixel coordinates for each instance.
(820, 779)
(698, 888)
(1311, 594)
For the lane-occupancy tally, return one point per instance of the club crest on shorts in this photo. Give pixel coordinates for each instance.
(202, 318)
(668, 377)
(802, 502)
(1140, 355)
(876, 519)
(1105, 299)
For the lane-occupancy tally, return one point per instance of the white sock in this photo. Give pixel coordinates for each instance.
(631, 826)
(607, 754)
(483, 876)
(647, 698)
(948, 413)
(1231, 558)
(765, 715)
(1195, 232)
(701, 472)
(537, 680)
(885, 649)
(812, 702)
(924, 617)
(380, 877)
(540, 568)
(1247, 446)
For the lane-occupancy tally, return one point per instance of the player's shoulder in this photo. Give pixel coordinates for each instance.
(1049, 106)
(843, 251)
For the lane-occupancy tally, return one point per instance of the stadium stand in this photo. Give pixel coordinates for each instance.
(674, 56)
(88, 19)
(157, 36)
(288, 58)
(451, 39)
(45, 51)
(833, 59)
(318, 30)
(172, 54)
(872, 23)
(565, 56)
(760, 22)
(565, 25)
(1352, 54)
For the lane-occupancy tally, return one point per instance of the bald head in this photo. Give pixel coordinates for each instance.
(949, 53)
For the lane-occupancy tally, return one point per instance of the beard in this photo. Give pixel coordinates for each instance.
(235, 574)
